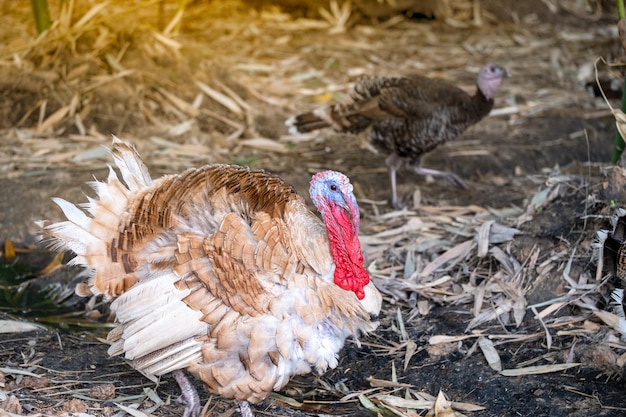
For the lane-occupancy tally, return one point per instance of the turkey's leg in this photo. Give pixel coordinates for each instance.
(393, 163)
(244, 408)
(455, 179)
(189, 395)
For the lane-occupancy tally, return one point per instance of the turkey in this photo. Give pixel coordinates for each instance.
(222, 271)
(609, 251)
(407, 116)
(611, 246)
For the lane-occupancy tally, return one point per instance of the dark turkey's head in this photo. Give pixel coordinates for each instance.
(489, 79)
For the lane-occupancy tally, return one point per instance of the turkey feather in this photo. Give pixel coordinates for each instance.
(222, 270)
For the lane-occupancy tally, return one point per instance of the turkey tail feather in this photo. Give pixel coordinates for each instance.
(307, 122)
(92, 228)
(130, 164)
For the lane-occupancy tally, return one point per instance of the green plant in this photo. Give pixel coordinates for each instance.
(618, 144)
(41, 15)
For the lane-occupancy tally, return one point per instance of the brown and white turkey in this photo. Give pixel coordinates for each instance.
(223, 271)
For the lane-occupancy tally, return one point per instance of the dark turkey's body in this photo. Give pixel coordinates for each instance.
(423, 120)
(407, 116)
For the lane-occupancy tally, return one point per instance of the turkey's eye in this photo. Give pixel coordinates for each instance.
(333, 187)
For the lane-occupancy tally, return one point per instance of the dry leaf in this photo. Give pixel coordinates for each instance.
(384, 383)
(323, 98)
(459, 251)
(265, 144)
(400, 402)
(9, 250)
(411, 349)
(14, 326)
(132, 411)
(490, 353)
(613, 320)
(90, 14)
(435, 340)
(540, 369)
(53, 264)
(220, 98)
(54, 119)
(167, 41)
(618, 114)
(442, 407)
(482, 238)
(11, 405)
(490, 314)
(179, 103)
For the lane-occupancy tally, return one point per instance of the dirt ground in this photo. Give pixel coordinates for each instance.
(547, 132)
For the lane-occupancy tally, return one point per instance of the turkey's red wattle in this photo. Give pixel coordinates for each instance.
(346, 250)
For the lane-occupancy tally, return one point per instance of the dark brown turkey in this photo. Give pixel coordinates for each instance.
(407, 116)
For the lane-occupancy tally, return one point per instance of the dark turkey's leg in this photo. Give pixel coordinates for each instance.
(189, 395)
(455, 179)
(393, 163)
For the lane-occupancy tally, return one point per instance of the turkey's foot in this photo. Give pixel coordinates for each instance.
(189, 395)
(453, 178)
(244, 408)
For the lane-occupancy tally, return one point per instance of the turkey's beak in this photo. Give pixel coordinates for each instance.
(352, 207)
(372, 301)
